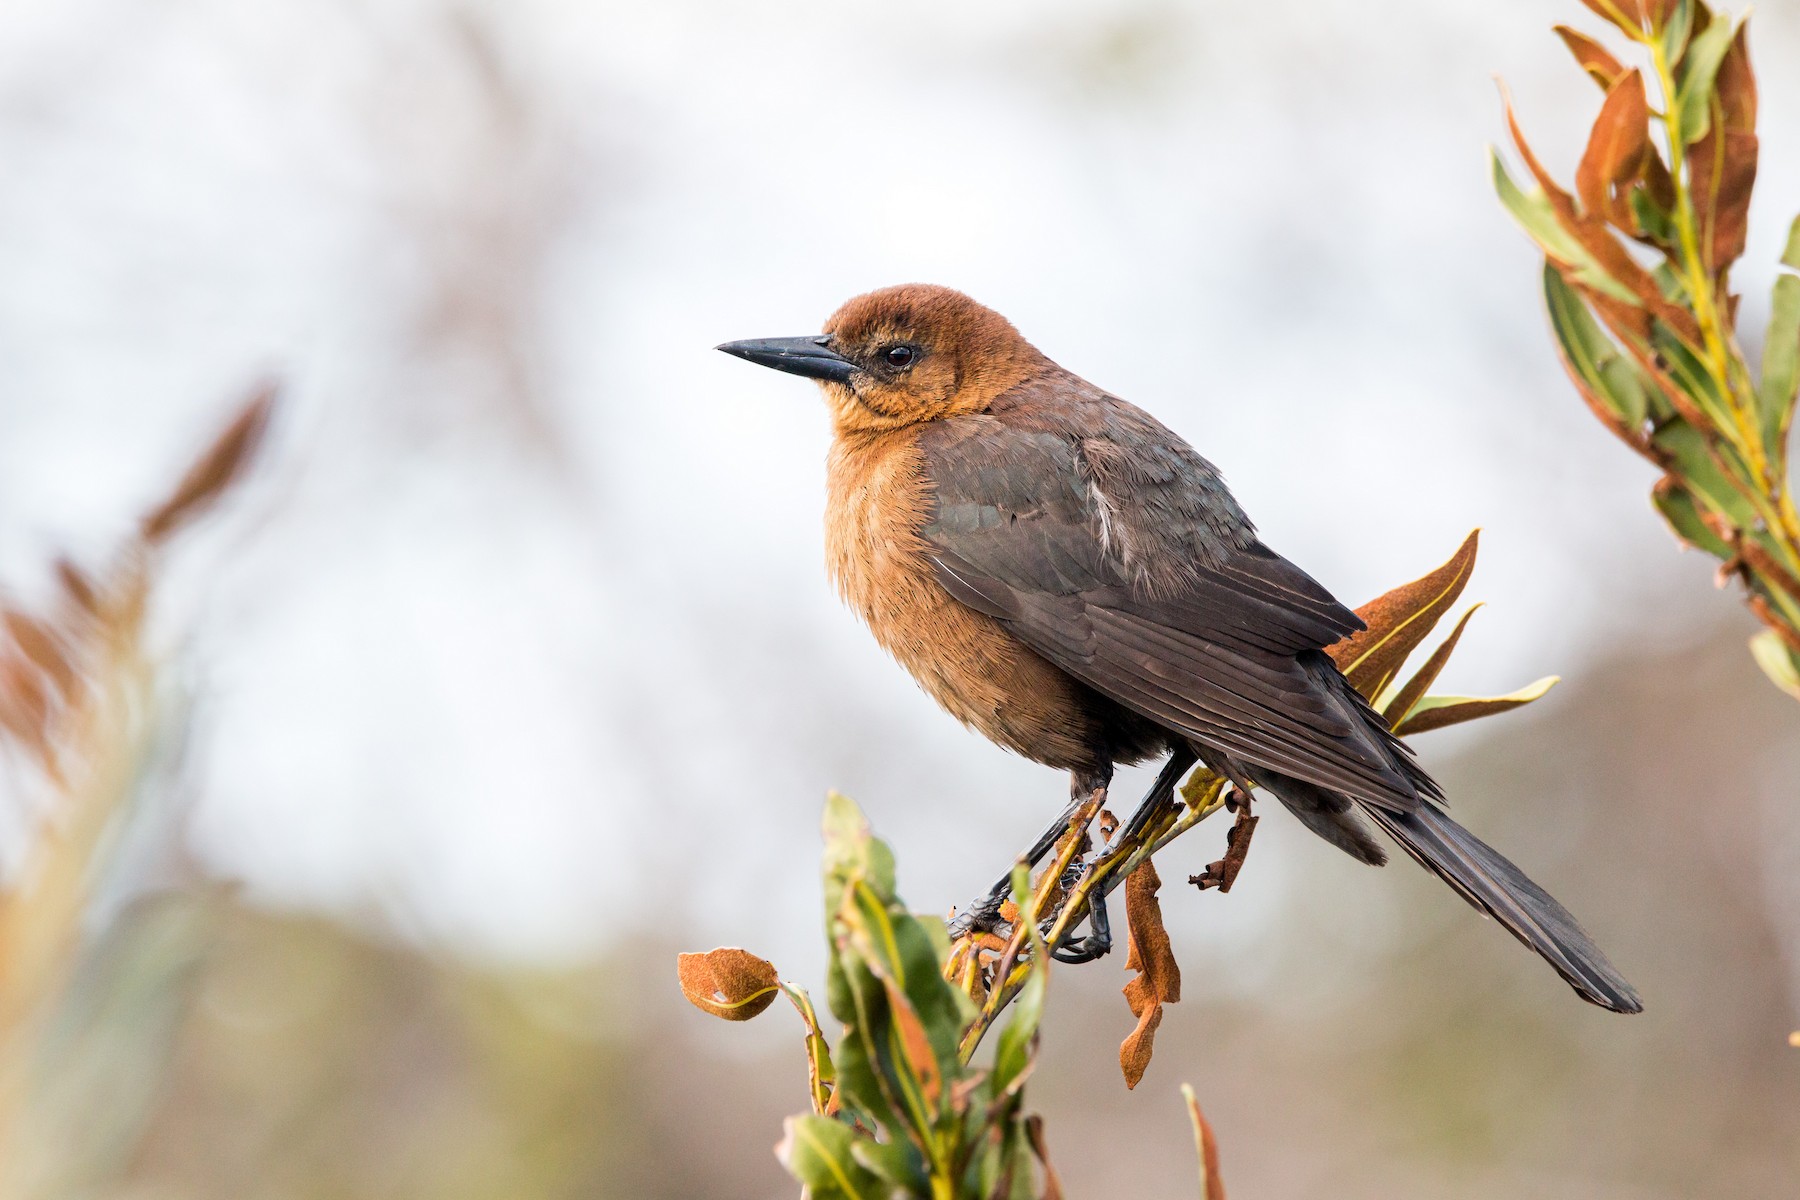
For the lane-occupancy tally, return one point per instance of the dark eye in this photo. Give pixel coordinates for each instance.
(900, 356)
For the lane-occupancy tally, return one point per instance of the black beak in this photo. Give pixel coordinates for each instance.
(811, 357)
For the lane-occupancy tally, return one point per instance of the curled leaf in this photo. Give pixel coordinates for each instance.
(1158, 979)
(1436, 712)
(1399, 620)
(1594, 58)
(728, 982)
(1616, 151)
(1685, 517)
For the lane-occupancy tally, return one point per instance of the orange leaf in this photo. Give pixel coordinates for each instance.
(1212, 1186)
(916, 1043)
(1615, 152)
(1593, 57)
(1626, 14)
(1416, 687)
(1158, 981)
(1724, 161)
(1735, 84)
(1399, 620)
(728, 982)
(1591, 232)
(216, 469)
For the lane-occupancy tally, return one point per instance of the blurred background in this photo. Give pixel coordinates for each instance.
(513, 670)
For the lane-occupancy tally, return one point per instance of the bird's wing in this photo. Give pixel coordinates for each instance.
(1112, 549)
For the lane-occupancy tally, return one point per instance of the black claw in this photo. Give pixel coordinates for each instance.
(1098, 942)
(983, 915)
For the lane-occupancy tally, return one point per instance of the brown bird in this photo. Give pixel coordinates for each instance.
(1067, 576)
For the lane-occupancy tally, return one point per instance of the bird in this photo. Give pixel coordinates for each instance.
(1067, 576)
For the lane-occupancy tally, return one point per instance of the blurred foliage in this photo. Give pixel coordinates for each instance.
(1637, 281)
(79, 715)
(901, 1112)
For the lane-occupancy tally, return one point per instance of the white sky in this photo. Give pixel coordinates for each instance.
(524, 641)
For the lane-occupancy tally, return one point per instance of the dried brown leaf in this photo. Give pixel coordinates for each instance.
(1615, 153)
(1158, 979)
(1590, 231)
(215, 470)
(1594, 58)
(1724, 161)
(79, 594)
(45, 648)
(25, 707)
(1735, 84)
(728, 982)
(1724, 170)
(1399, 620)
(1415, 688)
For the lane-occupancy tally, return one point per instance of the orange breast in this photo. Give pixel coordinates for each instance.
(982, 675)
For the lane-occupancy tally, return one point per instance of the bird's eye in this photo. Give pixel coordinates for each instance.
(900, 356)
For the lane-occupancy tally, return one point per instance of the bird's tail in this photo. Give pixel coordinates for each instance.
(1495, 886)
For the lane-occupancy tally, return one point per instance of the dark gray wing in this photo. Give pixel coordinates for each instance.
(1112, 549)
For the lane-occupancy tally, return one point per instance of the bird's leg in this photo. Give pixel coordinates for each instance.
(1099, 939)
(984, 914)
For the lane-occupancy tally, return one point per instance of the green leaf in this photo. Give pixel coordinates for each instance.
(1675, 32)
(851, 852)
(1682, 512)
(1701, 472)
(1693, 95)
(1778, 661)
(1436, 712)
(1671, 283)
(1790, 257)
(1657, 225)
(817, 1152)
(1537, 217)
(1780, 364)
(1610, 376)
(1013, 1051)
(897, 1163)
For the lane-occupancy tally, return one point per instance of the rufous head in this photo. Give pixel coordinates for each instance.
(902, 355)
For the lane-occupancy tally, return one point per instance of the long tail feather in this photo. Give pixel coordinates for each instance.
(1498, 888)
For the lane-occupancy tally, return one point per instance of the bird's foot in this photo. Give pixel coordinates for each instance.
(1098, 942)
(983, 916)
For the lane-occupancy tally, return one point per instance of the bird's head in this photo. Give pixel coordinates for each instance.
(902, 355)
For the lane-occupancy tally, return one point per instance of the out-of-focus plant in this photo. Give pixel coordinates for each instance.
(896, 1110)
(900, 1106)
(78, 721)
(1636, 277)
